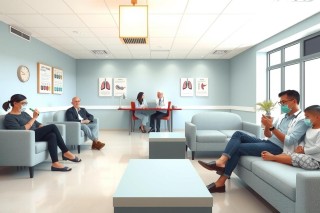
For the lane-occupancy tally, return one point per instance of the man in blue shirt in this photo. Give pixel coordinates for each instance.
(288, 129)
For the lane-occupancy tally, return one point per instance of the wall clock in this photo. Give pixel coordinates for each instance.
(23, 73)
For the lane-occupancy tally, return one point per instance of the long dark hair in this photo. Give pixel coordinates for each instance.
(139, 97)
(14, 98)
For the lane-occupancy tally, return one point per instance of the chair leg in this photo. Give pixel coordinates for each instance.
(78, 149)
(31, 171)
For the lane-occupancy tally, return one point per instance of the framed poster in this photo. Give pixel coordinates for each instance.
(105, 86)
(44, 78)
(186, 86)
(120, 86)
(57, 81)
(202, 87)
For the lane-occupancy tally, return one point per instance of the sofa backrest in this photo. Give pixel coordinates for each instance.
(1, 122)
(60, 116)
(217, 121)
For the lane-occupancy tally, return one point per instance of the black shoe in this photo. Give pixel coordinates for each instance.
(213, 188)
(211, 166)
(64, 169)
(158, 130)
(76, 159)
(151, 130)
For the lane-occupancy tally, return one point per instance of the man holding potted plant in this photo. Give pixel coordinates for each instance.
(288, 129)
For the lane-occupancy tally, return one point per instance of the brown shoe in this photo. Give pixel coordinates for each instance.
(213, 188)
(100, 145)
(94, 145)
(211, 166)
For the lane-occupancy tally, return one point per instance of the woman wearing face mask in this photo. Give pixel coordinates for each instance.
(17, 119)
(307, 154)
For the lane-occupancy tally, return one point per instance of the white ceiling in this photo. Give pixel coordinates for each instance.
(178, 29)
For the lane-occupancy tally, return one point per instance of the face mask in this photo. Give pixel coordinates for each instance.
(285, 109)
(23, 108)
(308, 122)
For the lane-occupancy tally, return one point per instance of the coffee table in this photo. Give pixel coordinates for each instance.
(161, 185)
(167, 145)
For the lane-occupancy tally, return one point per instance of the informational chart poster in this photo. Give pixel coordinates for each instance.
(57, 81)
(105, 87)
(202, 87)
(186, 86)
(44, 79)
(120, 86)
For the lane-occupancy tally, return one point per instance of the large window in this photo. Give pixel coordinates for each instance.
(289, 67)
(312, 71)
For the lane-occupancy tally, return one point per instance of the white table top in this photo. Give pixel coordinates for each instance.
(167, 136)
(161, 182)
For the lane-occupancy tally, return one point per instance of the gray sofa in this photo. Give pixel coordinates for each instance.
(211, 131)
(18, 147)
(287, 188)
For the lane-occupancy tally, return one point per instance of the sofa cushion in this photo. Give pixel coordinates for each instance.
(280, 176)
(216, 121)
(41, 146)
(246, 161)
(209, 136)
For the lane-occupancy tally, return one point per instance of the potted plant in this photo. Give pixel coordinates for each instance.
(267, 106)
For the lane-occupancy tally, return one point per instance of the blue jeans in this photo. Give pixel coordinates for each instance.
(242, 144)
(90, 130)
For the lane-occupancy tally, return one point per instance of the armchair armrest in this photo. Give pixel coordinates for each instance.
(252, 128)
(190, 133)
(307, 191)
(17, 143)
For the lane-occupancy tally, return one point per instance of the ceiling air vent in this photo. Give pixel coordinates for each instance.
(134, 40)
(220, 52)
(19, 33)
(99, 52)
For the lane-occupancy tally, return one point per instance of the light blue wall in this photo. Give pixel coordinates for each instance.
(15, 51)
(243, 68)
(149, 76)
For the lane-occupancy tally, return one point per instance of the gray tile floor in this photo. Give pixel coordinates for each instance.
(90, 185)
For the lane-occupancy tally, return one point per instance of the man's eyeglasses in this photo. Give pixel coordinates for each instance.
(281, 103)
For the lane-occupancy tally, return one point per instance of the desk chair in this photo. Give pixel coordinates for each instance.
(168, 117)
(133, 117)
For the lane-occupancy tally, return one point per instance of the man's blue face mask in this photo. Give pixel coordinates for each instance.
(308, 122)
(285, 109)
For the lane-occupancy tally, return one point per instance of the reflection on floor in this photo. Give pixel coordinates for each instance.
(90, 185)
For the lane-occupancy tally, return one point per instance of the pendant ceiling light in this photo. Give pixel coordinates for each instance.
(133, 23)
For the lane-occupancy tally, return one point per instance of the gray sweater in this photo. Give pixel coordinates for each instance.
(18, 121)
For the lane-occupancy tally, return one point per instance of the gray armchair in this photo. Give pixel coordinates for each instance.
(211, 131)
(74, 135)
(18, 147)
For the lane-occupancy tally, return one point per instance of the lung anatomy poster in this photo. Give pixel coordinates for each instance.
(202, 87)
(105, 86)
(186, 86)
(120, 86)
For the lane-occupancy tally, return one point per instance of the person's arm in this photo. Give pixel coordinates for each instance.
(296, 134)
(268, 123)
(70, 115)
(88, 115)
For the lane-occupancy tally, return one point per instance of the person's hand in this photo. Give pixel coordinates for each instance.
(299, 149)
(266, 121)
(36, 113)
(86, 121)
